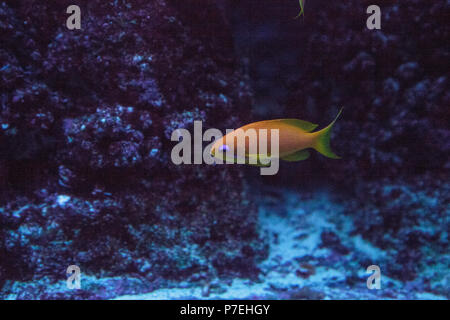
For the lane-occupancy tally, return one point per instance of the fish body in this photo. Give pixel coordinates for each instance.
(291, 138)
(294, 138)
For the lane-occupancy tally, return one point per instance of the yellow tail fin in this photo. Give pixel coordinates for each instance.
(322, 142)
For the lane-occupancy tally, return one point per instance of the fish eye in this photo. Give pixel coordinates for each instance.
(224, 147)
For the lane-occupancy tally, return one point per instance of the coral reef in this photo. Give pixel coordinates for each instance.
(314, 254)
(86, 175)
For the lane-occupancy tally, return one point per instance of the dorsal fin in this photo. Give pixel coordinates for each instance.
(304, 125)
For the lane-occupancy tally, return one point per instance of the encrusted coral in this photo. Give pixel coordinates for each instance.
(86, 175)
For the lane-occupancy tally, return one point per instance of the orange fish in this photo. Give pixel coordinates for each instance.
(294, 138)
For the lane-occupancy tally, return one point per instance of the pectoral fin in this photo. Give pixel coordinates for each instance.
(297, 156)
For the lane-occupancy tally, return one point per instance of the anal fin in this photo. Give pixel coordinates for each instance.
(255, 160)
(297, 156)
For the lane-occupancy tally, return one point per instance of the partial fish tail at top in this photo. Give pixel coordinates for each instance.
(302, 12)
